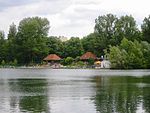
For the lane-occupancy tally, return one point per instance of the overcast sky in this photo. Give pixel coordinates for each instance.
(70, 17)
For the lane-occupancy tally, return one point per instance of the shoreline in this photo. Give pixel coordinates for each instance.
(70, 68)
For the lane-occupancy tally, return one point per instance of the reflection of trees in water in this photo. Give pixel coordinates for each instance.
(121, 94)
(34, 103)
(146, 97)
(33, 94)
(146, 94)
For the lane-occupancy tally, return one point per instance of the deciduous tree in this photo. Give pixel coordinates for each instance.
(31, 39)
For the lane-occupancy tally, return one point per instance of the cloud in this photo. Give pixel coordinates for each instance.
(70, 17)
(9, 3)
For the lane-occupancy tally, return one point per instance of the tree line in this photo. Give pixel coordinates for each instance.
(118, 38)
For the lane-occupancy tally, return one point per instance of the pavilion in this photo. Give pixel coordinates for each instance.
(53, 60)
(87, 56)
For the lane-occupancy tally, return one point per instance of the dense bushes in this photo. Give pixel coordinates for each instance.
(129, 55)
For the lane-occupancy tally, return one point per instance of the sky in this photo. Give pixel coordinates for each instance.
(70, 17)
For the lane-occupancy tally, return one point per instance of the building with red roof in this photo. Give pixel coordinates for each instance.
(52, 57)
(88, 55)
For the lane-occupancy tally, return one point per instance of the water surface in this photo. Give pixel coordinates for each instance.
(74, 91)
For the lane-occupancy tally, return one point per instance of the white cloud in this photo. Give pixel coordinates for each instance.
(70, 17)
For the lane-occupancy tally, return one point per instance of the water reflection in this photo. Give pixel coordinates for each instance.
(122, 94)
(32, 94)
(146, 96)
(55, 91)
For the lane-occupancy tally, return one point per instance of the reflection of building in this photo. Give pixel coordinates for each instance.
(62, 38)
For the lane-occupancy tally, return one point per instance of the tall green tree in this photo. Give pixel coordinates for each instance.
(55, 45)
(127, 55)
(73, 48)
(12, 31)
(31, 39)
(94, 43)
(2, 36)
(126, 26)
(114, 29)
(2, 46)
(146, 29)
(105, 26)
(11, 43)
(146, 53)
(135, 57)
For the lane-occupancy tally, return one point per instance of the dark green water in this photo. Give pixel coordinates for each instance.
(74, 91)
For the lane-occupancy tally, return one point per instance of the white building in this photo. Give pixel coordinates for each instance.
(105, 64)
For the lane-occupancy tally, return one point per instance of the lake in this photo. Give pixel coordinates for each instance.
(74, 91)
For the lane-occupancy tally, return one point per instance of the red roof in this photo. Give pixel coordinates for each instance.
(87, 56)
(52, 57)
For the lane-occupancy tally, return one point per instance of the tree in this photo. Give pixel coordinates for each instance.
(2, 36)
(94, 43)
(3, 63)
(11, 43)
(68, 61)
(128, 55)
(146, 29)
(146, 53)
(73, 48)
(12, 32)
(90, 61)
(105, 26)
(2, 46)
(135, 56)
(31, 40)
(126, 27)
(15, 62)
(113, 29)
(117, 57)
(55, 45)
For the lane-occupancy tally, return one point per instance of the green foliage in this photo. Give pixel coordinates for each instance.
(12, 32)
(3, 63)
(31, 40)
(94, 43)
(146, 52)
(113, 29)
(146, 29)
(128, 55)
(80, 64)
(11, 44)
(73, 48)
(68, 61)
(30, 43)
(15, 62)
(105, 27)
(126, 26)
(90, 61)
(117, 57)
(77, 59)
(3, 48)
(55, 45)
(110, 30)
(2, 35)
